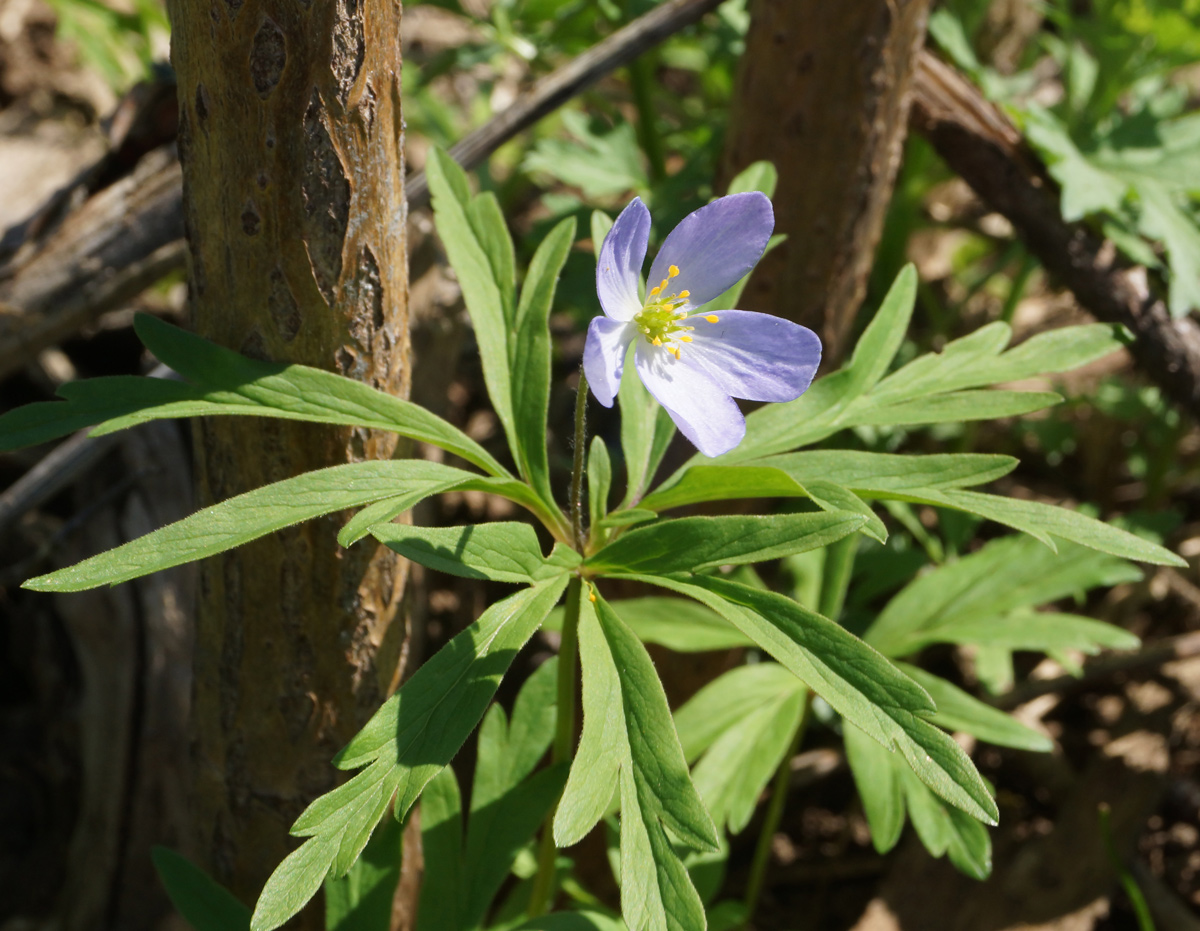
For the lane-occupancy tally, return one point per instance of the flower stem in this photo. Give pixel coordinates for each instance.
(779, 790)
(564, 734)
(568, 658)
(576, 503)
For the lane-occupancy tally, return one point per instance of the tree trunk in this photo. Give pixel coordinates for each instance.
(291, 144)
(823, 93)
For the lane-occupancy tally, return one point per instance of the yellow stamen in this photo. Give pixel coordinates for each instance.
(673, 271)
(657, 341)
(673, 351)
(685, 339)
(654, 292)
(711, 318)
(685, 293)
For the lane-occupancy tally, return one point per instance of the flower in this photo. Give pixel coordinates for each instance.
(695, 364)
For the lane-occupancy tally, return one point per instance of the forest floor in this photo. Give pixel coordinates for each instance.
(1127, 732)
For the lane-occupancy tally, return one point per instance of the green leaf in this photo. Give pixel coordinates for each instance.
(881, 340)
(574, 921)
(1005, 576)
(507, 804)
(884, 475)
(878, 782)
(628, 738)
(252, 515)
(226, 383)
(727, 700)
(443, 887)
(1049, 632)
(724, 483)
(596, 766)
(1163, 218)
(657, 765)
(656, 791)
(386, 510)
(697, 543)
(491, 232)
(743, 755)
(945, 830)
(599, 474)
(601, 223)
(678, 624)
(627, 517)
(952, 407)
(409, 740)
(530, 351)
(204, 904)
(959, 711)
(646, 430)
(472, 265)
(757, 176)
(1039, 519)
(503, 551)
(858, 683)
(362, 899)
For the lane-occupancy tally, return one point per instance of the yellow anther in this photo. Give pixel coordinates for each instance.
(673, 351)
(673, 271)
(711, 318)
(591, 595)
(654, 292)
(685, 293)
(685, 339)
(657, 341)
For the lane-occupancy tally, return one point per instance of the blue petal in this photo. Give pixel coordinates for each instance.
(755, 356)
(619, 268)
(604, 356)
(704, 413)
(715, 246)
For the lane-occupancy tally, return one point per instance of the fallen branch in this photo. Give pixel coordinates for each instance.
(979, 142)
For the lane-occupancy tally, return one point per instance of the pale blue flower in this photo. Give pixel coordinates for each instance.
(695, 364)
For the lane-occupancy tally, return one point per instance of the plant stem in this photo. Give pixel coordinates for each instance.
(564, 735)
(568, 658)
(576, 502)
(779, 790)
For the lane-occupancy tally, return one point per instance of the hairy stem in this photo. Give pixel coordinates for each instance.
(564, 734)
(568, 658)
(576, 502)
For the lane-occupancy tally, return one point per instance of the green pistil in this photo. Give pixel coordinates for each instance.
(660, 319)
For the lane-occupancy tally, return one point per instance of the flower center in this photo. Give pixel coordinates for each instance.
(661, 316)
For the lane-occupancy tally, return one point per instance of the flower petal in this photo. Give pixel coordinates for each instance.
(715, 246)
(618, 272)
(704, 413)
(604, 356)
(755, 356)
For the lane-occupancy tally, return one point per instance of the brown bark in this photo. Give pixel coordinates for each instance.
(291, 144)
(823, 93)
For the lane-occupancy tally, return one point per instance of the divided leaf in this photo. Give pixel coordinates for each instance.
(254, 514)
(635, 732)
(863, 686)
(223, 382)
(409, 740)
(530, 355)
(473, 265)
(502, 551)
(697, 543)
